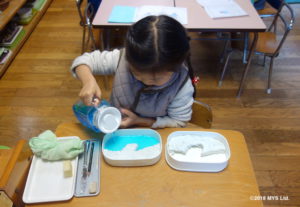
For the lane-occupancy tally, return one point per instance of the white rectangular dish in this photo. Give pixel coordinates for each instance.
(46, 181)
(132, 147)
(197, 151)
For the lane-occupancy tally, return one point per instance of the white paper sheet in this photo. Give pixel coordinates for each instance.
(222, 8)
(178, 13)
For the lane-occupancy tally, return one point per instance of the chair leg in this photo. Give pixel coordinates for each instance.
(106, 39)
(87, 43)
(83, 40)
(225, 48)
(101, 43)
(91, 35)
(224, 68)
(264, 62)
(269, 90)
(245, 50)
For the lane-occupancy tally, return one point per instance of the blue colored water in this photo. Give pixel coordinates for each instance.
(117, 143)
(85, 114)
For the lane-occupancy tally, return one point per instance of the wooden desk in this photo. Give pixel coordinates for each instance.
(14, 166)
(160, 185)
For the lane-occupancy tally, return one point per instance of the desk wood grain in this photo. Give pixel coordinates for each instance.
(160, 185)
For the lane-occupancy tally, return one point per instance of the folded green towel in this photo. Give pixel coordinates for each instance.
(47, 146)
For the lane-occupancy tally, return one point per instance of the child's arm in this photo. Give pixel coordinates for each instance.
(84, 66)
(90, 92)
(179, 110)
(100, 63)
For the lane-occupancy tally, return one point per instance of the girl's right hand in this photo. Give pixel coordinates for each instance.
(90, 93)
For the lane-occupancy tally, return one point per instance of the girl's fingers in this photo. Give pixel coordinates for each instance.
(126, 112)
(96, 101)
(87, 100)
(97, 98)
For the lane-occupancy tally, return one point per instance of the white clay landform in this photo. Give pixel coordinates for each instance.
(130, 152)
(208, 145)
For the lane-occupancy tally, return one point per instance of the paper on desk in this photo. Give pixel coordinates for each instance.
(222, 8)
(128, 14)
(178, 13)
(122, 14)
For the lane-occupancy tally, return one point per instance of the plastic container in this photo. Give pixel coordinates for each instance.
(132, 147)
(193, 160)
(103, 118)
(46, 181)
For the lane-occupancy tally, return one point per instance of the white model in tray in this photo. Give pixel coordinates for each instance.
(209, 146)
(198, 151)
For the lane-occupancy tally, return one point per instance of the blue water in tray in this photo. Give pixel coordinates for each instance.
(117, 143)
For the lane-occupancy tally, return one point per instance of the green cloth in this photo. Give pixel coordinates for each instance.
(47, 146)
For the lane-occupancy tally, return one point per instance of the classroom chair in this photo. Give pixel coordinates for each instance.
(202, 114)
(268, 11)
(86, 15)
(270, 42)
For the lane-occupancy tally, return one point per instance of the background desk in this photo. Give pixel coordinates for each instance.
(198, 20)
(106, 6)
(160, 185)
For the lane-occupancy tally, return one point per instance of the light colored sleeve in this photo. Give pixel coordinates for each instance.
(179, 110)
(100, 63)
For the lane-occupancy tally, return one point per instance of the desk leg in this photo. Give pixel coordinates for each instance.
(250, 55)
(105, 35)
(246, 38)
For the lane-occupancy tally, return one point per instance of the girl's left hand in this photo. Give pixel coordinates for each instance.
(129, 119)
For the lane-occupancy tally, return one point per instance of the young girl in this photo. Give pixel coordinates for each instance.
(152, 87)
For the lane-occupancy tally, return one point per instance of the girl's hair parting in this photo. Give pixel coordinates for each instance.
(156, 43)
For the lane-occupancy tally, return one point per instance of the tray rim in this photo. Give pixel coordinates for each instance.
(35, 159)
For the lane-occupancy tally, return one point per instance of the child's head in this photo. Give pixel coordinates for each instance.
(156, 45)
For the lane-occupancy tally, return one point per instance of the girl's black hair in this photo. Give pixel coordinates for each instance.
(155, 43)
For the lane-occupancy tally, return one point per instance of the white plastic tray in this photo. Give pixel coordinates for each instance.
(192, 161)
(46, 181)
(151, 156)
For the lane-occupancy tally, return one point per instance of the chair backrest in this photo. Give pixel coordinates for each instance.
(267, 11)
(286, 15)
(202, 114)
(80, 12)
(87, 13)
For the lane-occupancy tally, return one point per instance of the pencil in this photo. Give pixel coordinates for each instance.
(91, 158)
